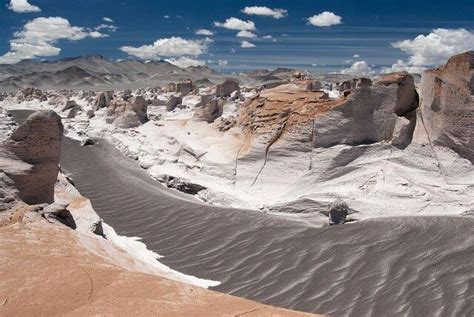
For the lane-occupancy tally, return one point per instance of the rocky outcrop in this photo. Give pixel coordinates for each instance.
(127, 113)
(370, 114)
(103, 99)
(227, 88)
(33, 150)
(446, 114)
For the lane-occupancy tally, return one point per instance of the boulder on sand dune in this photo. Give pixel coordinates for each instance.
(103, 99)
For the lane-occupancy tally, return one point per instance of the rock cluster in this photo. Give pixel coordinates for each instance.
(29, 94)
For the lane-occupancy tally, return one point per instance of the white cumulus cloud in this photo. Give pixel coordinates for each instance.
(168, 47)
(236, 24)
(246, 34)
(204, 32)
(39, 37)
(265, 11)
(22, 6)
(246, 44)
(184, 62)
(437, 46)
(325, 19)
(358, 68)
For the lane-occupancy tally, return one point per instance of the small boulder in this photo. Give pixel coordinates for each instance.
(173, 102)
(338, 211)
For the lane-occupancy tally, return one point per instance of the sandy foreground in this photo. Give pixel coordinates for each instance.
(46, 271)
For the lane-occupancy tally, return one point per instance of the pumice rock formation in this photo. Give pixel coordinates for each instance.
(446, 115)
(128, 113)
(37, 143)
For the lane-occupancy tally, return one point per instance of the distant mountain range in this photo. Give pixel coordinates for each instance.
(94, 72)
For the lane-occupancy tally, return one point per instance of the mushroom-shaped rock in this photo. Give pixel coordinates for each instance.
(227, 88)
(37, 142)
(338, 211)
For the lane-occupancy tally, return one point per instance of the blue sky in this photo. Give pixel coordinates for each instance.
(366, 33)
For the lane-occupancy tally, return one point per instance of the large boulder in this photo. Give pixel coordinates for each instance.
(127, 113)
(184, 87)
(212, 110)
(103, 99)
(227, 88)
(446, 114)
(33, 150)
(173, 102)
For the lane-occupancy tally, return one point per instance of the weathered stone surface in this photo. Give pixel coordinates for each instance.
(338, 211)
(446, 114)
(173, 102)
(314, 85)
(36, 142)
(127, 113)
(227, 88)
